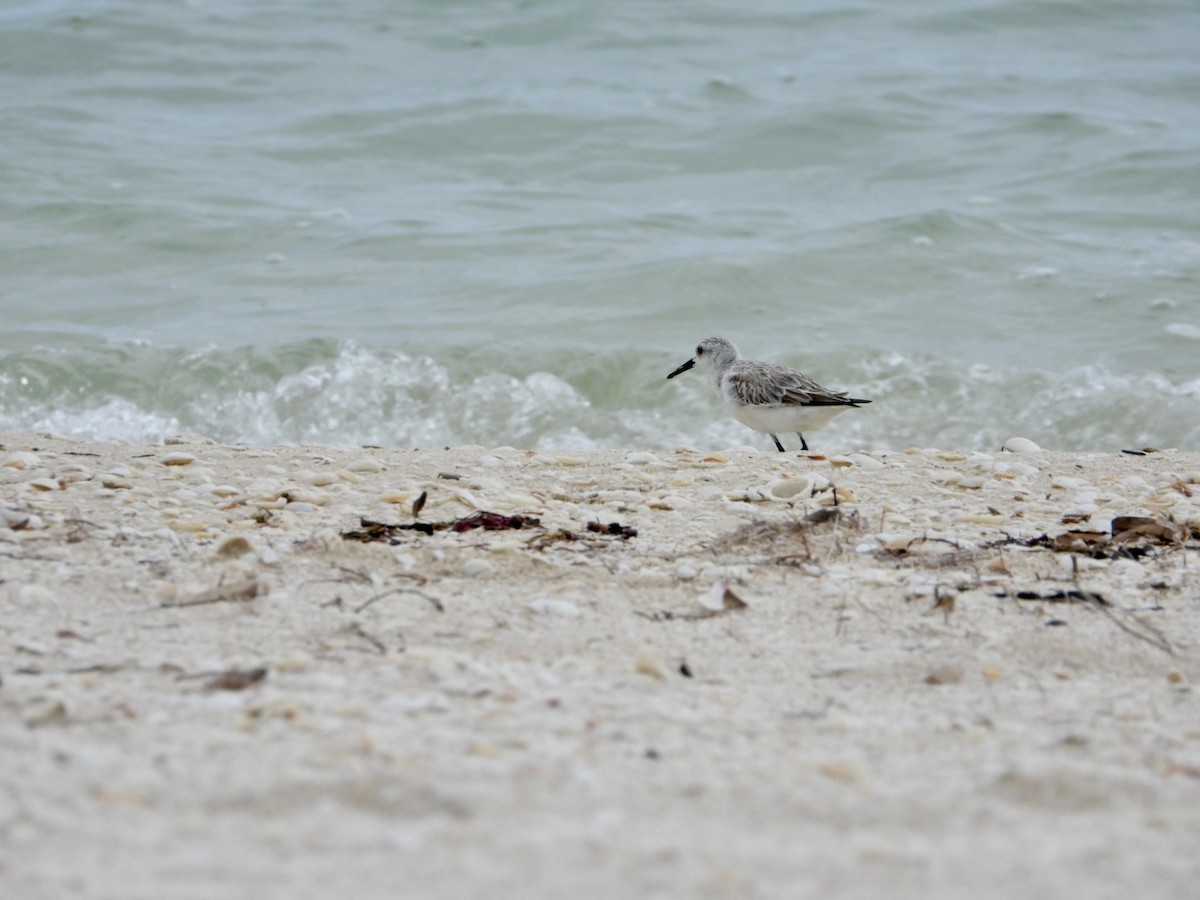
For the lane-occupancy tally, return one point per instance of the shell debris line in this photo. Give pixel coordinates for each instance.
(481, 632)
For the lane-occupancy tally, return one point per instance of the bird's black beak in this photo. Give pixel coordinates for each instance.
(687, 365)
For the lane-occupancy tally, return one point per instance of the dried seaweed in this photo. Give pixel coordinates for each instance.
(1129, 537)
(371, 531)
(613, 528)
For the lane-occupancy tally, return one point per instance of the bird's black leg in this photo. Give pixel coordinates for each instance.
(803, 442)
(777, 444)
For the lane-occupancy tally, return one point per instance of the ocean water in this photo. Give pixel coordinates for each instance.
(428, 223)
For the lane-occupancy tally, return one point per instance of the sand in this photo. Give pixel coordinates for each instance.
(916, 673)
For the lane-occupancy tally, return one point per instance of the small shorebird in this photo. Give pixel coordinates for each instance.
(764, 396)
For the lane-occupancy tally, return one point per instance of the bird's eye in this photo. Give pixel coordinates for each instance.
(699, 351)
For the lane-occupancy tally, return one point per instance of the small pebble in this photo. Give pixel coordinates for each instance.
(234, 545)
(477, 568)
(178, 459)
(685, 571)
(947, 674)
(563, 608)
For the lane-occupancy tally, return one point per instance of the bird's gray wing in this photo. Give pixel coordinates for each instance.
(763, 384)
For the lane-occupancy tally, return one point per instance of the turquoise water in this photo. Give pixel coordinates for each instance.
(434, 223)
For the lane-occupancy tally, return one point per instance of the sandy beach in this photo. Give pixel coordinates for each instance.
(302, 671)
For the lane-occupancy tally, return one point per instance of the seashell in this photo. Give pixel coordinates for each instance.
(643, 459)
(365, 465)
(45, 484)
(522, 501)
(70, 474)
(22, 459)
(349, 477)
(1020, 445)
(819, 482)
(1065, 483)
(324, 479)
(973, 482)
(841, 462)
(550, 607)
(15, 520)
(787, 488)
(646, 663)
(187, 526)
(982, 519)
(312, 498)
(569, 460)
(836, 496)
(581, 480)
(465, 497)
(178, 459)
